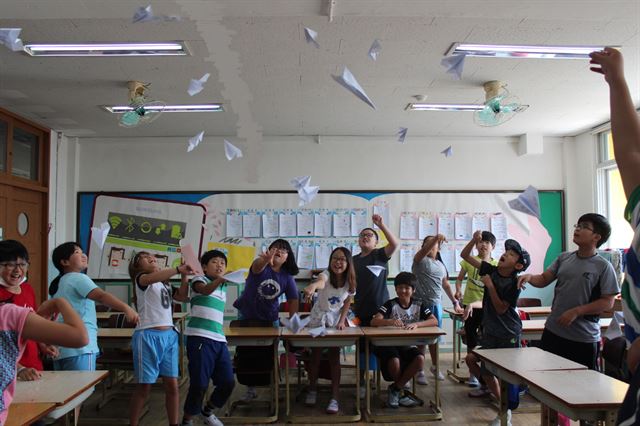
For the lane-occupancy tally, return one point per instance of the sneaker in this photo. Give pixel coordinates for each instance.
(393, 397)
(363, 391)
(333, 407)
(437, 374)
(212, 420)
(408, 401)
(496, 421)
(479, 392)
(311, 398)
(407, 386)
(473, 381)
(250, 394)
(421, 379)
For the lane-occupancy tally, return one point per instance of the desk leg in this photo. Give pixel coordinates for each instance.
(276, 376)
(457, 349)
(286, 386)
(504, 402)
(611, 418)
(366, 377)
(358, 380)
(437, 390)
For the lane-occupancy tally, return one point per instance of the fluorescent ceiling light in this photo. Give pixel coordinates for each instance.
(519, 51)
(108, 49)
(444, 107)
(120, 109)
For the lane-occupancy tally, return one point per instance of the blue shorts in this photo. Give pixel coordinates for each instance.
(155, 354)
(84, 362)
(436, 310)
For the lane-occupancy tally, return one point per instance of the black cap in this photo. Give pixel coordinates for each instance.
(525, 259)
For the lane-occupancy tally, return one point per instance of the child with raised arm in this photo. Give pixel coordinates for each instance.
(270, 276)
(432, 279)
(586, 286)
(473, 292)
(400, 363)
(19, 325)
(155, 342)
(209, 359)
(625, 129)
(82, 293)
(501, 325)
(335, 287)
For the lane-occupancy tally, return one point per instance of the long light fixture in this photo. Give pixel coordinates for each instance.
(523, 51)
(121, 109)
(443, 107)
(108, 49)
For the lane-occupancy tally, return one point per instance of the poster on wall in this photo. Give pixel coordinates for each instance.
(136, 224)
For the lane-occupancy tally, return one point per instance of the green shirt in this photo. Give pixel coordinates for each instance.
(474, 290)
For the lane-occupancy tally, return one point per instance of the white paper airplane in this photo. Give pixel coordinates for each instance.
(237, 277)
(99, 235)
(448, 152)
(195, 141)
(231, 151)
(295, 324)
(196, 86)
(375, 49)
(348, 81)
(9, 37)
(402, 134)
(454, 65)
(311, 36)
(527, 202)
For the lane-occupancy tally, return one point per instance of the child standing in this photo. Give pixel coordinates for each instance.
(432, 278)
(501, 324)
(399, 364)
(330, 310)
(82, 293)
(14, 288)
(206, 344)
(19, 325)
(270, 276)
(473, 292)
(585, 288)
(155, 342)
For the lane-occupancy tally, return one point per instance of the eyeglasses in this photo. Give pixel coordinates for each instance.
(580, 226)
(13, 265)
(367, 235)
(339, 259)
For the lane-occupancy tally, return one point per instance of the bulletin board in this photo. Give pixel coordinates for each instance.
(244, 223)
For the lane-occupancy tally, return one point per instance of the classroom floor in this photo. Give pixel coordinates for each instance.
(457, 407)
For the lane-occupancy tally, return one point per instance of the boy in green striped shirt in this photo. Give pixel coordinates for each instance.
(206, 345)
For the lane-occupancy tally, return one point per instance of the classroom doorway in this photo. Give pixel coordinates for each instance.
(24, 192)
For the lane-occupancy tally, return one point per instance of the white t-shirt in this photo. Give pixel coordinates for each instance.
(326, 310)
(154, 305)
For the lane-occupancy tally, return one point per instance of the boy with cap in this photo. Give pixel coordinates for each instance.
(501, 325)
(586, 287)
(400, 363)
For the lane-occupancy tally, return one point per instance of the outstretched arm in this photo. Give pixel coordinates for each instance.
(466, 251)
(625, 123)
(393, 241)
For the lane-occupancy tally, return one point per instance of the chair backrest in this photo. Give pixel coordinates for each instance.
(613, 354)
(528, 302)
(253, 365)
(119, 320)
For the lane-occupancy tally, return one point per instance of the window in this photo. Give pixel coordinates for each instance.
(611, 197)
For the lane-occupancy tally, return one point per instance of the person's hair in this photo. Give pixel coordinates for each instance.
(372, 230)
(438, 255)
(406, 278)
(349, 275)
(11, 250)
(62, 252)
(134, 271)
(290, 265)
(600, 224)
(489, 237)
(211, 254)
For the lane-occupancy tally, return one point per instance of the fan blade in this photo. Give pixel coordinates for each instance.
(130, 119)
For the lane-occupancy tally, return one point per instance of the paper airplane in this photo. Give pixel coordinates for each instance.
(143, 14)
(236, 276)
(231, 151)
(349, 82)
(614, 330)
(9, 37)
(99, 235)
(376, 270)
(311, 36)
(527, 202)
(448, 152)
(375, 49)
(195, 141)
(190, 258)
(300, 181)
(317, 331)
(295, 324)
(196, 86)
(454, 65)
(306, 192)
(402, 134)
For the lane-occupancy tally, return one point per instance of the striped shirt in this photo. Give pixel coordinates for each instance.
(631, 284)
(207, 312)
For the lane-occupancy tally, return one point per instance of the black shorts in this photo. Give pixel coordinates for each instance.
(406, 355)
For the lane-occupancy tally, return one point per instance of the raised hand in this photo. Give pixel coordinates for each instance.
(609, 63)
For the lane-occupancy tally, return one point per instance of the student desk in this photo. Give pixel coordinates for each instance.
(26, 413)
(334, 338)
(532, 329)
(578, 394)
(256, 336)
(509, 364)
(537, 311)
(396, 336)
(457, 345)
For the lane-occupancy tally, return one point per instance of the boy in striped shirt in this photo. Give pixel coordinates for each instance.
(206, 345)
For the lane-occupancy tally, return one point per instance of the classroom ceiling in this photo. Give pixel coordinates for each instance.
(273, 83)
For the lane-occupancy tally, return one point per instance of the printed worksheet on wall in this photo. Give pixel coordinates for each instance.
(427, 225)
(234, 224)
(304, 259)
(305, 223)
(323, 251)
(342, 224)
(406, 257)
(445, 225)
(480, 222)
(408, 226)
(322, 224)
(251, 225)
(270, 224)
(462, 225)
(499, 226)
(359, 221)
(381, 208)
(287, 223)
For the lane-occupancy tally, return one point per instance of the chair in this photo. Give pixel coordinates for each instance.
(528, 302)
(614, 354)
